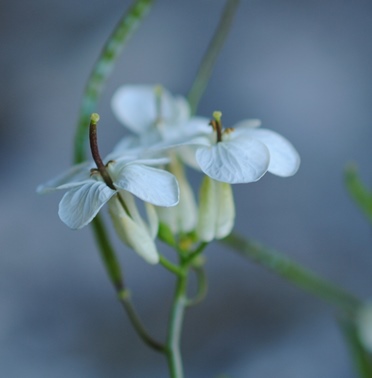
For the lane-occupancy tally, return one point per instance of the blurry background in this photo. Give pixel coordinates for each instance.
(304, 68)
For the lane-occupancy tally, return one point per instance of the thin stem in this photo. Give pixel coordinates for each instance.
(202, 288)
(107, 252)
(210, 57)
(124, 298)
(294, 273)
(175, 327)
(170, 266)
(113, 269)
(192, 256)
(102, 69)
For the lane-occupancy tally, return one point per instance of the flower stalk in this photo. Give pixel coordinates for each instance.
(210, 57)
(173, 351)
(102, 69)
(294, 273)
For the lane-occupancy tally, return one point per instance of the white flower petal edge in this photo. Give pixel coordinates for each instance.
(150, 184)
(82, 203)
(238, 160)
(284, 159)
(68, 179)
(132, 233)
(135, 106)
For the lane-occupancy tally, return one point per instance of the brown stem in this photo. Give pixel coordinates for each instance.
(95, 152)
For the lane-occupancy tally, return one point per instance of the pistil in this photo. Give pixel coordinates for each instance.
(217, 125)
(94, 118)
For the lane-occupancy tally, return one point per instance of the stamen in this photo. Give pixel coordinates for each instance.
(94, 118)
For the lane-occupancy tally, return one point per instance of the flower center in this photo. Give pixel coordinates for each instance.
(217, 126)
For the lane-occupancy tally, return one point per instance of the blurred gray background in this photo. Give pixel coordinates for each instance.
(304, 67)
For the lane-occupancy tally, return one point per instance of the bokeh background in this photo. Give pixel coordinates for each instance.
(304, 68)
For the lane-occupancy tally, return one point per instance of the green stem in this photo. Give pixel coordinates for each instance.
(210, 57)
(202, 287)
(170, 266)
(192, 256)
(102, 70)
(294, 273)
(175, 327)
(113, 269)
(124, 298)
(107, 253)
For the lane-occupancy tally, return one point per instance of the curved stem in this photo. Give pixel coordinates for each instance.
(294, 273)
(102, 70)
(124, 298)
(210, 57)
(173, 351)
(107, 252)
(202, 288)
(193, 255)
(170, 266)
(113, 269)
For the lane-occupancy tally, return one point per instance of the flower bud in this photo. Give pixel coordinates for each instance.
(135, 234)
(364, 325)
(216, 210)
(183, 217)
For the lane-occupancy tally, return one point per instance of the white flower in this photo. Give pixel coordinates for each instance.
(157, 118)
(230, 156)
(153, 114)
(241, 154)
(87, 193)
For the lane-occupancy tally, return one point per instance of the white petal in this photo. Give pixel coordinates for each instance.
(133, 234)
(187, 129)
(150, 184)
(238, 160)
(284, 159)
(129, 146)
(135, 106)
(248, 123)
(68, 179)
(81, 204)
(182, 108)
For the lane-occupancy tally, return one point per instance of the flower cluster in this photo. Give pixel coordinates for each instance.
(150, 166)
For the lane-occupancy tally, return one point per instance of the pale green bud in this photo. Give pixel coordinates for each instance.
(364, 325)
(135, 234)
(216, 210)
